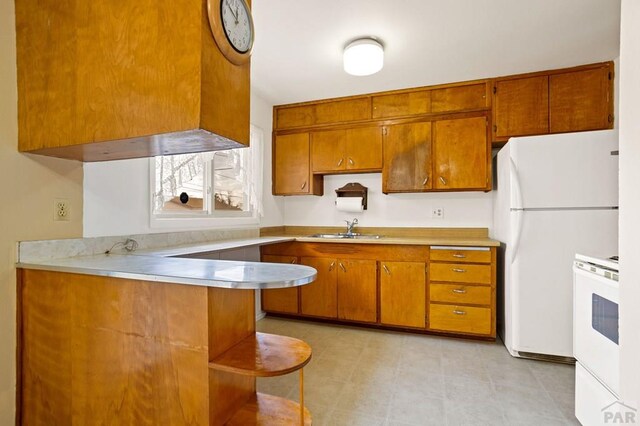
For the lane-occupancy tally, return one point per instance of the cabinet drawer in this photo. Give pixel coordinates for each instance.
(459, 98)
(456, 293)
(462, 319)
(452, 255)
(452, 272)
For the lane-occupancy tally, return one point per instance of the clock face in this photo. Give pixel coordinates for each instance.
(237, 26)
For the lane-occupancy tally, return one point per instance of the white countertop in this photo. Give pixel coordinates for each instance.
(200, 272)
(212, 247)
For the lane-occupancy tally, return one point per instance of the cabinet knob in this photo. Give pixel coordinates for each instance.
(459, 290)
(304, 185)
(424, 182)
(294, 260)
(340, 162)
(333, 264)
(386, 269)
(342, 267)
(459, 270)
(351, 161)
(443, 180)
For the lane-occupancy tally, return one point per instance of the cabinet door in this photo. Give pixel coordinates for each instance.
(399, 104)
(521, 107)
(320, 298)
(328, 151)
(580, 100)
(459, 98)
(407, 158)
(403, 294)
(291, 165)
(282, 299)
(357, 288)
(364, 148)
(461, 154)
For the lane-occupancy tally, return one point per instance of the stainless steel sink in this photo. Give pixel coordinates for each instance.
(346, 236)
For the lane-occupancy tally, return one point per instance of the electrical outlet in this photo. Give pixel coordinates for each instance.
(61, 209)
(437, 213)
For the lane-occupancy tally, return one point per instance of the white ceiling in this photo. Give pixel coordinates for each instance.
(298, 48)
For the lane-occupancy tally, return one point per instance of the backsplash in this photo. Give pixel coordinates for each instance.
(32, 251)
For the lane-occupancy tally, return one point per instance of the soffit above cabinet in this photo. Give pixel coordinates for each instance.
(108, 80)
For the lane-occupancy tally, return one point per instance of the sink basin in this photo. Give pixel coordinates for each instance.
(346, 236)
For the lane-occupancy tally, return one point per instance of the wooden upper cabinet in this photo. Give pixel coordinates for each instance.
(291, 169)
(353, 150)
(462, 154)
(407, 158)
(283, 300)
(320, 298)
(401, 104)
(460, 98)
(108, 82)
(581, 100)
(403, 294)
(357, 290)
(339, 111)
(521, 107)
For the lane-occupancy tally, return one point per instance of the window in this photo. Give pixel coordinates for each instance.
(219, 184)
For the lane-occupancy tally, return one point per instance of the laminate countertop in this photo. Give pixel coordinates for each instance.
(200, 272)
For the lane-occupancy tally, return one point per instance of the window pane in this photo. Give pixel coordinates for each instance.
(180, 174)
(230, 180)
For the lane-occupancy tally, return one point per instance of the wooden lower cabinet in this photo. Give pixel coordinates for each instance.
(320, 298)
(357, 295)
(283, 300)
(403, 294)
(444, 290)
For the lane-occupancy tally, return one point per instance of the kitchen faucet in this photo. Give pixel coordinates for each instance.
(350, 226)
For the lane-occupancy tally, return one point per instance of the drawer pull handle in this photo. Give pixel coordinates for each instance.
(459, 256)
(333, 264)
(459, 270)
(457, 312)
(459, 290)
(340, 162)
(294, 260)
(342, 267)
(443, 180)
(424, 182)
(351, 161)
(304, 185)
(386, 269)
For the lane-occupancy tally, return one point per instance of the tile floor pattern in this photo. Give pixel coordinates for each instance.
(361, 376)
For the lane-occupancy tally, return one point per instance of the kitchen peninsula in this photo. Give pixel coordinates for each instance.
(124, 339)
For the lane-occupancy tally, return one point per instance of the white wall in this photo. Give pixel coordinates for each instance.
(630, 202)
(116, 193)
(463, 209)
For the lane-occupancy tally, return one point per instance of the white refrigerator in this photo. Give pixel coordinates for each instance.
(554, 196)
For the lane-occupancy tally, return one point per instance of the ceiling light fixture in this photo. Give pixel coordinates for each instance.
(364, 56)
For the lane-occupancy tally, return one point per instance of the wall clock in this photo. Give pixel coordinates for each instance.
(232, 27)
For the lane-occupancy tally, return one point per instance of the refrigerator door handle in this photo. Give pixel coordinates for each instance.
(518, 211)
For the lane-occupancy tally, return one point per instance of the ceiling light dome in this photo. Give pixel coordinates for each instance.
(364, 56)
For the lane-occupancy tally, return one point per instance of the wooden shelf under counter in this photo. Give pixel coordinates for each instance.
(264, 355)
(263, 409)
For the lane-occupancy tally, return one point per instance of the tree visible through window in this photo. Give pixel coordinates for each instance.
(219, 183)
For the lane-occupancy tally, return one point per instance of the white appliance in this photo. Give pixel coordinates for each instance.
(595, 319)
(555, 195)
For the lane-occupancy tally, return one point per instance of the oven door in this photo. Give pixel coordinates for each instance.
(595, 337)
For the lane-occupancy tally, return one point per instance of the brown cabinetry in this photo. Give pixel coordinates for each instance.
(357, 299)
(351, 150)
(291, 168)
(325, 112)
(388, 285)
(462, 290)
(407, 158)
(461, 154)
(580, 100)
(320, 298)
(403, 294)
(570, 100)
(284, 300)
